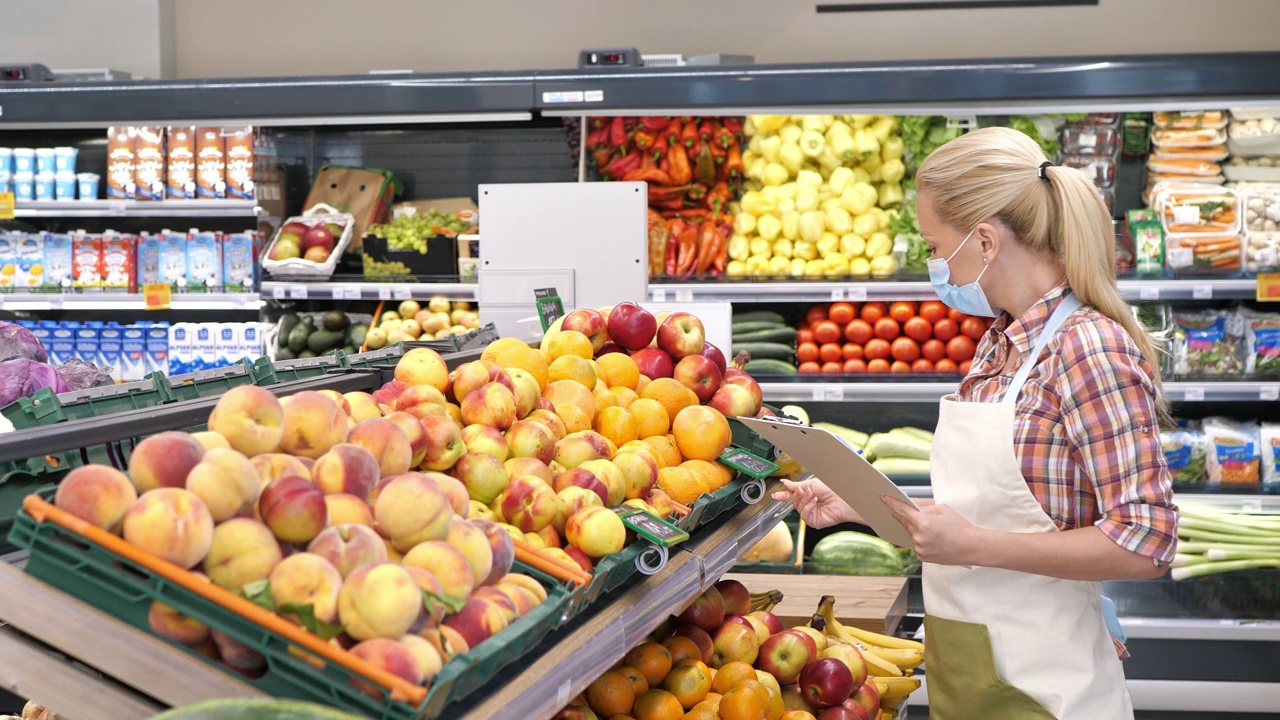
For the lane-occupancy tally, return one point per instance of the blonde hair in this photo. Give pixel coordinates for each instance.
(995, 173)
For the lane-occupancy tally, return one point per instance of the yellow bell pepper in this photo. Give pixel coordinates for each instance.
(791, 225)
(892, 148)
(779, 265)
(828, 244)
(859, 121)
(806, 250)
(758, 266)
(749, 157)
(825, 194)
(879, 245)
(882, 216)
(812, 142)
(884, 126)
(788, 190)
(768, 227)
(867, 145)
(816, 122)
(775, 174)
(756, 169)
(806, 199)
(769, 147)
(840, 140)
(891, 195)
(760, 245)
(869, 192)
(861, 176)
(892, 171)
(797, 267)
(828, 161)
(828, 204)
(884, 266)
(866, 224)
(815, 268)
(739, 247)
(735, 207)
(790, 133)
(753, 146)
(839, 221)
(809, 179)
(812, 225)
(853, 245)
(786, 205)
(744, 223)
(855, 201)
(872, 165)
(837, 265)
(841, 179)
(757, 203)
(859, 267)
(782, 247)
(765, 124)
(736, 268)
(791, 158)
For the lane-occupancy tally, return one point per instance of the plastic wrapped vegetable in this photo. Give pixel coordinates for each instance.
(1262, 343)
(1208, 343)
(1233, 456)
(21, 378)
(80, 375)
(1184, 452)
(1271, 456)
(19, 342)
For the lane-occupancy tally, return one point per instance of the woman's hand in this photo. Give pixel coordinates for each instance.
(939, 534)
(818, 504)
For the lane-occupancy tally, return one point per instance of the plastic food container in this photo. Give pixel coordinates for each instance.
(1194, 119)
(1191, 209)
(1111, 119)
(44, 189)
(44, 160)
(6, 181)
(6, 160)
(1101, 169)
(1212, 153)
(1204, 254)
(1261, 251)
(24, 186)
(64, 186)
(24, 161)
(1163, 164)
(88, 185)
(1264, 169)
(64, 159)
(1188, 137)
(1109, 198)
(1093, 140)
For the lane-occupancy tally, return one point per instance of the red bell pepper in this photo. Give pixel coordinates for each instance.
(654, 124)
(622, 166)
(675, 129)
(733, 165)
(618, 132)
(660, 146)
(680, 171)
(689, 136)
(724, 137)
(597, 138)
(643, 140)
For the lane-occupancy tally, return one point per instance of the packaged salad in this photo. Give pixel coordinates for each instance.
(1233, 452)
(1185, 453)
(1208, 342)
(1270, 436)
(1261, 343)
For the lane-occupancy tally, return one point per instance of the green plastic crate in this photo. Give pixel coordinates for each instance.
(45, 407)
(209, 383)
(382, 357)
(124, 589)
(709, 506)
(609, 574)
(266, 372)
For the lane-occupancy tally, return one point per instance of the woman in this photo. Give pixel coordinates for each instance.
(1047, 471)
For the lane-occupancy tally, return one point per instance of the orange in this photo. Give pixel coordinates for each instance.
(569, 342)
(603, 399)
(683, 486)
(652, 659)
(673, 396)
(611, 694)
(664, 446)
(731, 675)
(758, 688)
(573, 418)
(572, 367)
(693, 397)
(616, 424)
(624, 396)
(689, 681)
(561, 392)
(743, 703)
(658, 705)
(639, 683)
(797, 715)
(602, 378)
(711, 704)
(642, 447)
(621, 717)
(651, 417)
(702, 433)
(701, 714)
(642, 383)
(681, 648)
(620, 369)
(511, 352)
(715, 474)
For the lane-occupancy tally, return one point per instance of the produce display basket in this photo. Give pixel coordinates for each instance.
(441, 257)
(300, 269)
(109, 574)
(46, 407)
(382, 357)
(210, 383)
(609, 574)
(266, 372)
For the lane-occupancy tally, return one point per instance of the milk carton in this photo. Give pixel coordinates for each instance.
(148, 259)
(237, 262)
(29, 273)
(58, 262)
(228, 345)
(173, 259)
(133, 353)
(181, 348)
(110, 347)
(62, 345)
(8, 260)
(250, 341)
(205, 346)
(86, 261)
(87, 344)
(157, 357)
(119, 262)
(42, 332)
(204, 266)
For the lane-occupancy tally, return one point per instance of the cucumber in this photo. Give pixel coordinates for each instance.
(781, 334)
(770, 366)
(287, 323)
(777, 351)
(742, 328)
(921, 433)
(759, 316)
(855, 438)
(898, 445)
(855, 553)
(254, 709)
(902, 467)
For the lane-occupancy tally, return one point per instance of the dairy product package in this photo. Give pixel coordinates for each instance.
(119, 268)
(86, 261)
(148, 259)
(133, 353)
(87, 344)
(250, 341)
(157, 357)
(110, 349)
(120, 163)
(8, 260)
(58, 262)
(181, 171)
(237, 262)
(204, 266)
(239, 155)
(205, 346)
(148, 163)
(173, 259)
(181, 349)
(228, 344)
(29, 273)
(210, 164)
(62, 345)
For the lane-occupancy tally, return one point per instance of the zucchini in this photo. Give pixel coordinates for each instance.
(898, 445)
(770, 366)
(759, 316)
(255, 709)
(287, 323)
(781, 334)
(777, 351)
(902, 467)
(855, 553)
(921, 433)
(853, 437)
(742, 328)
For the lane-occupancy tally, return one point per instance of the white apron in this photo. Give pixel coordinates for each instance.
(1002, 644)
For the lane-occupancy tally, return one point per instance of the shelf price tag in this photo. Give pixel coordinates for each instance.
(549, 305)
(347, 293)
(653, 529)
(828, 393)
(55, 302)
(1193, 394)
(279, 293)
(1269, 392)
(684, 296)
(1202, 292)
(7, 206)
(117, 208)
(384, 293)
(658, 295)
(298, 292)
(401, 292)
(1149, 292)
(157, 296)
(1268, 286)
(748, 463)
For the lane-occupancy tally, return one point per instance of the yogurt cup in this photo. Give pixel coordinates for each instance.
(6, 160)
(64, 186)
(24, 186)
(6, 181)
(88, 185)
(44, 160)
(44, 189)
(64, 159)
(24, 161)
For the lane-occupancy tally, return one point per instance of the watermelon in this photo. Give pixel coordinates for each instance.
(855, 553)
(255, 709)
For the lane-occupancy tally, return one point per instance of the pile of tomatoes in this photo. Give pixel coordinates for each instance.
(878, 337)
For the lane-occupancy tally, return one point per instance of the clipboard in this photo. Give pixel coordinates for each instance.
(842, 469)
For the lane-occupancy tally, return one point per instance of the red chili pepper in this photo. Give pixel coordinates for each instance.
(621, 167)
(688, 251)
(660, 146)
(643, 140)
(618, 132)
(689, 136)
(706, 247)
(680, 171)
(673, 244)
(724, 137)
(697, 191)
(733, 165)
(732, 124)
(658, 193)
(654, 123)
(717, 153)
(693, 214)
(597, 123)
(674, 131)
(664, 165)
(706, 130)
(597, 138)
(651, 176)
(675, 226)
(721, 255)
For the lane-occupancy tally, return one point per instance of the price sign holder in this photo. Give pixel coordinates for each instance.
(550, 306)
(157, 296)
(7, 206)
(1268, 287)
(748, 463)
(655, 530)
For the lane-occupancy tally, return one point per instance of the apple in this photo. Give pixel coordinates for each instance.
(438, 304)
(733, 401)
(700, 637)
(785, 655)
(286, 247)
(589, 322)
(819, 640)
(851, 657)
(712, 353)
(681, 335)
(611, 347)
(867, 697)
(316, 254)
(318, 236)
(737, 378)
(762, 630)
(770, 620)
(654, 363)
(844, 712)
(631, 326)
(699, 375)
(706, 611)
(826, 682)
(736, 597)
(734, 642)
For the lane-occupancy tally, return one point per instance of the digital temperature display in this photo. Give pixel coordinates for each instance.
(13, 74)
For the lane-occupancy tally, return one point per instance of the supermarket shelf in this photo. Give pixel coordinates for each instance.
(595, 644)
(122, 301)
(871, 391)
(135, 208)
(280, 290)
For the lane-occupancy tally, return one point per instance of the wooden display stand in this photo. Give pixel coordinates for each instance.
(877, 604)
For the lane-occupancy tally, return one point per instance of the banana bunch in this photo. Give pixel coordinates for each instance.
(891, 661)
(766, 600)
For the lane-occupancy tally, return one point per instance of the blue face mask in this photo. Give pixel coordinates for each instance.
(968, 299)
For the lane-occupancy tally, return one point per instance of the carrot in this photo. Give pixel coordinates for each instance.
(552, 566)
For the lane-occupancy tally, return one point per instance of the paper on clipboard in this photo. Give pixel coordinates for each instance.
(841, 468)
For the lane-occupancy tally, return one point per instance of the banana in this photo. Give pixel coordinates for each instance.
(876, 665)
(894, 689)
(904, 659)
(873, 639)
(527, 583)
(882, 662)
(766, 600)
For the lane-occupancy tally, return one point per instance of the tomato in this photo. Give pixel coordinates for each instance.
(954, 314)
(960, 348)
(964, 367)
(887, 328)
(933, 350)
(804, 335)
(830, 352)
(933, 311)
(806, 352)
(905, 350)
(922, 366)
(858, 331)
(852, 351)
(918, 329)
(842, 312)
(945, 329)
(900, 367)
(876, 349)
(826, 331)
(873, 311)
(832, 368)
(879, 365)
(902, 311)
(973, 327)
(855, 365)
(945, 365)
(810, 367)
(816, 313)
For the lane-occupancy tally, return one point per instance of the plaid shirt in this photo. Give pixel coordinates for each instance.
(1086, 432)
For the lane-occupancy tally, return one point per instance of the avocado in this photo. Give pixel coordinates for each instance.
(288, 322)
(322, 340)
(349, 350)
(335, 320)
(309, 321)
(298, 337)
(285, 353)
(306, 354)
(356, 334)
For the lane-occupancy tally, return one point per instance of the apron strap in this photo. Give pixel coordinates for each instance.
(1070, 303)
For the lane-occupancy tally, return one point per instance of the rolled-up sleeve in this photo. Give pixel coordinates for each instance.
(1110, 420)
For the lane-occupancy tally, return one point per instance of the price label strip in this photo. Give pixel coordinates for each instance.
(748, 463)
(550, 306)
(1268, 287)
(655, 530)
(7, 206)
(157, 296)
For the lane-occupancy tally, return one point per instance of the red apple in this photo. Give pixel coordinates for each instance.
(318, 236)
(611, 347)
(785, 655)
(712, 353)
(707, 611)
(631, 326)
(734, 642)
(736, 597)
(699, 375)
(826, 682)
(746, 382)
(681, 335)
(770, 620)
(590, 323)
(733, 401)
(654, 363)
(867, 697)
(700, 638)
(844, 712)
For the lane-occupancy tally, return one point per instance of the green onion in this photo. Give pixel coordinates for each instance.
(1212, 542)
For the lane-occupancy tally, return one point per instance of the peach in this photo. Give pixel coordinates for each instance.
(550, 537)
(238, 656)
(293, 509)
(570, 392)
(596, 531)
(614, 481)
(349, 468)
(575, 450)
(511, 530)
(479, 511)
(226, 481)
(493, 404)
(445, 640)
(98, 494)
(603, 445)
(389, 655)
(487, 441)
(551, 420)
(446, 563)
(167, 622)
(639, 471)
(386, 395)
(535, 541)
(529, 466)
(579, 558)
(307, 579)
(170, 523)
(520, 598)
(379, 600)
(661, 502)
(532, 438)
(412, 430)
(501, 549)
(363, 406)
(472, 376)
(273, 466)
(338, 398)
(453, 489)
(528, 504)
(429, 660)
(347, 509)
(444, 443)
(525, 389)
(242, 551)
(423, 366)
(499, 598)
(570, 500)
(484, 476)
(347, 547)
(313, 423)
(478, 620)
(250, 418)
(387, 442)
(210, 440)
(454, 413)
(164, 460)
(470, 540)
(412, 509)
(421, 401)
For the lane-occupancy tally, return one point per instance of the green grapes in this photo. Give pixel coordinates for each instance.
(411, 232)
(373, 268)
